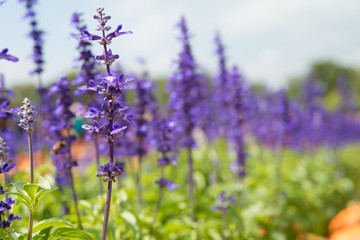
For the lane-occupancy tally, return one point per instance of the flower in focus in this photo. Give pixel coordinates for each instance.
(28, 116)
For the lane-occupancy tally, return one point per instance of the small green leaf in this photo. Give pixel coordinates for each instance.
(42, 193)
(50, 222)
(31, 189)
(70, 233)
(38, 236)
(44, 183)
(129, 217)
(3, 234)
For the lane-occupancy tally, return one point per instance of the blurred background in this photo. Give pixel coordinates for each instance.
(272, 43)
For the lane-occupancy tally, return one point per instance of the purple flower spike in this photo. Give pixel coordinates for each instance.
(4, 55)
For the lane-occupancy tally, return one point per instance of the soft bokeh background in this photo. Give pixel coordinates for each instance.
(271, 41)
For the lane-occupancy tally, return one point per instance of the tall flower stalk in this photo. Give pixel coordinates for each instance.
(164, 139)
(61, 133)
(28, 121)
(186, 103)
(111, 112)
(222, 205)
(144, 112)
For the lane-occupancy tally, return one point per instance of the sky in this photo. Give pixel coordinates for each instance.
(269, 41)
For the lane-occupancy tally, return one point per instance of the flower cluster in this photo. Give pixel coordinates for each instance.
(111, 88)
(28, 116)
(110, 171)
(107, 58)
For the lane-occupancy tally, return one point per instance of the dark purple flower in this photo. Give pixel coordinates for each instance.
(4, 55)
(5, 167)
(4, 207)
(110, 171)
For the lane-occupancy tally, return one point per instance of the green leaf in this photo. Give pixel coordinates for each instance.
(38, 236)
(18, 186)
(44, 183)
(3, 234)
(70, 233)
(131, 220)
(50, 222)
(42, 193)
(22, 198)
(31, 189)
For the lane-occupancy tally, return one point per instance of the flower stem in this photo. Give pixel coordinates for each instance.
(191, 184)
(108, 194)
(31, 217)
(107, 210)
(31, 220)
(158, 204)
(31, 159)
(223, 224)
(71, 181)
(138, 184)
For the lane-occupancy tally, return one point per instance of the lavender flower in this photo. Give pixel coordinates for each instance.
(112, 109)
(61, 133)
(5, 218)
(238, 113)
(186, 101)
(6, 113)
(164, 138)
(6, 56)
(4, 208)
(36, 35)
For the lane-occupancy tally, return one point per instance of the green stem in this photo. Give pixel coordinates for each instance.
(223, 224)
(31, 159)
(191, 184)
(31, 221)
(138, 184)
(71, 179)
